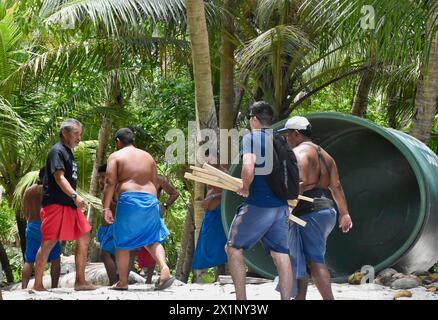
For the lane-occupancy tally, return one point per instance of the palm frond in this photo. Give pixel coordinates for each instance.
(110, 13)
(25, 182)
(11, 124)
(258, 53)
(93, 201)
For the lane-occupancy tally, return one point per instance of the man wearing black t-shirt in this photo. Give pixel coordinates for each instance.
(61, 213)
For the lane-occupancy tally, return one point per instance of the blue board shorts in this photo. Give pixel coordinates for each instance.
(33, 243)
(252, 224)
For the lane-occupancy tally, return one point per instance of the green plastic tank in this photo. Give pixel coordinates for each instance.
(390, 180)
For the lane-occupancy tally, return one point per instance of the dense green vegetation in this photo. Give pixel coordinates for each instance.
(130, 65)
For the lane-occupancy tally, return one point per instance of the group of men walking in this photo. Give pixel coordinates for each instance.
(132, 217)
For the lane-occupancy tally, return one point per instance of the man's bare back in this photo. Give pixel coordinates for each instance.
(313, 172)
(32, 202)
(133, 170)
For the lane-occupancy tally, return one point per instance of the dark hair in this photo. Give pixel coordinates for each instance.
(125, 135)
(102, 168)
(262, 111)
(41, 175)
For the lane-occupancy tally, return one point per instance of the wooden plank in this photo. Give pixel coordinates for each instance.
(218, 173)
(212, 178)
(297, 220)
(300, 197)
(189, 176)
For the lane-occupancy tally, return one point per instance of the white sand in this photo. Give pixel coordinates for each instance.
(180, 291)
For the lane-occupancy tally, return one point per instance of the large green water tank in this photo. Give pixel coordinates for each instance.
(390, 180)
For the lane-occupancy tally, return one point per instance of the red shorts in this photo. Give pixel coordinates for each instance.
(60, 222)
(145, 259)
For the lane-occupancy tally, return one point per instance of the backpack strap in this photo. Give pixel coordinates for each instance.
(320, 159)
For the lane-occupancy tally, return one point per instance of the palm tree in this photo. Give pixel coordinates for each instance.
(426, 99)
(205, 110)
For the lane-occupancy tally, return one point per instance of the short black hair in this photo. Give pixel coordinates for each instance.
(102, 168)
(126, 136)
(41, 175)
(262, 111)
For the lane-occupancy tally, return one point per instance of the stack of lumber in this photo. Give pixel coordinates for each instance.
(214, 177)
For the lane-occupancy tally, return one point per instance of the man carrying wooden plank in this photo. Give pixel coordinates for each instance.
(319, 180)
(263, 216)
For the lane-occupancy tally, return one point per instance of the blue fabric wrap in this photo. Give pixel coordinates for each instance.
(210, 249)
(33, 243)
(138, 221)
(105, 236)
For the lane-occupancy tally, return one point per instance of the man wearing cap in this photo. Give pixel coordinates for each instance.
(319, 179)
(263, 216)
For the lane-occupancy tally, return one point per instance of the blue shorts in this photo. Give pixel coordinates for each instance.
(308, 244)
(105, 237)
(33, 243)
(252, 223)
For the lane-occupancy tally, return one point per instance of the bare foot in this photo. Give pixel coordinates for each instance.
(85, 287)
(39, 288)
(119, 286)
(165, 273)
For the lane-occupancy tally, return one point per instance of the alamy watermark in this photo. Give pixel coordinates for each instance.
(200, 144)
(368, 17)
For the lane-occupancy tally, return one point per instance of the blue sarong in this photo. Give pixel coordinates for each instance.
(210, 249)
(308, 244)
(33, 243)
(105, 236)
(138, 221)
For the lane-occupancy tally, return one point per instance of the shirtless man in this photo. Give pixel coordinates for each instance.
(132, 177)
(319, 179)
(31, 210)
(145, 260)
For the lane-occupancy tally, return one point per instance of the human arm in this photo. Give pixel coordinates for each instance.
(109, 189)
(247, 175)
(212, 199)
(335, 187)
(68, 189)
(170, 190)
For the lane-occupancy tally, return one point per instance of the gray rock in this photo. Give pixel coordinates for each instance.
(384, 281)
(435, 284)
(398, 275)
(405, 283)
(421, 273)
(386, 272)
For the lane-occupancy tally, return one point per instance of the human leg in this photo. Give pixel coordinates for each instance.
(321, 277)
(110, 266)
(55, 271)
(80, 261)
(40, 263)
(284, 269)
(237, 270)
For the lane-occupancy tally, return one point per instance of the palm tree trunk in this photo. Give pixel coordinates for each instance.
(114, 99)
(226, 107)
(426, 98)
(184, 264)
(360, 102)
(104, 133)
(6, 266)
(204, 103)
(392, 108)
